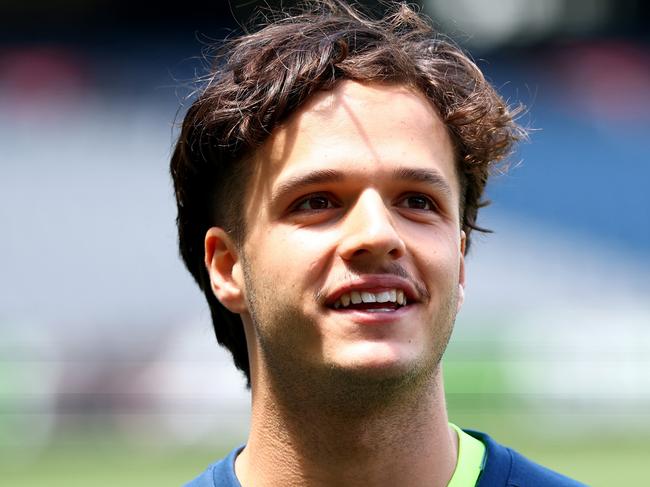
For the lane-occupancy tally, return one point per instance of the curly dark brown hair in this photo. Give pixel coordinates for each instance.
(261, 78)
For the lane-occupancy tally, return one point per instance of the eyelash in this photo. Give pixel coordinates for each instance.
(429, 201)
(331, 203)
(307, 199)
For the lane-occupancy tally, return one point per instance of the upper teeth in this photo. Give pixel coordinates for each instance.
(356, 297)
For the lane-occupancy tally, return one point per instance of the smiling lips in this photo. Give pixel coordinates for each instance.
(387, 299)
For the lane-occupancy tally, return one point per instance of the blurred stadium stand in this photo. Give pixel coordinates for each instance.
(100, 322)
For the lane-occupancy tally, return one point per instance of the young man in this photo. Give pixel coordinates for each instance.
(328, 180)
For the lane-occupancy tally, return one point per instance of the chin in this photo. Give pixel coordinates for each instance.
(382, 360)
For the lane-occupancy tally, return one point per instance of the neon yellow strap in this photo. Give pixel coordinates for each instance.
(470, 460)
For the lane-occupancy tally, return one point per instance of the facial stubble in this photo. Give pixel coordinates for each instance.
(339, 390)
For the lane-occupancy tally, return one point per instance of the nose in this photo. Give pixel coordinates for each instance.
(369, 231)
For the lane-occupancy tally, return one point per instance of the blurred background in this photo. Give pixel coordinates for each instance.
(109, 370)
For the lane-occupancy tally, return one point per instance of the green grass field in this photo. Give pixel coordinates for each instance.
(600, 458)
(603, 444)
(611, 460)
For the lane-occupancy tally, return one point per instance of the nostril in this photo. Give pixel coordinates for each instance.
(362, 252)
(396, 252)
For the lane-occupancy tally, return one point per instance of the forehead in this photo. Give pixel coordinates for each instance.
(360, 130)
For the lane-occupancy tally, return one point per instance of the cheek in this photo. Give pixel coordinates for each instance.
(295, 258)
(313, 265)
(439, 260)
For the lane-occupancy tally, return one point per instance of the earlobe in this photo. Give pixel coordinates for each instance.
(463, 242)
(461, 272)
(224, 267)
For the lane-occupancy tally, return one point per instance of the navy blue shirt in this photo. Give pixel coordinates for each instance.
(504, 467)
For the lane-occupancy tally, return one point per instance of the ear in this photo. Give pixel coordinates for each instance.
(224, 267)
(461, 272)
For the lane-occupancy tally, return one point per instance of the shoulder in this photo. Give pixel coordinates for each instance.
(219, 474)
(505, 467)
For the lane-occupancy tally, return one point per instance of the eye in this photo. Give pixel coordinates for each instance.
(314, 203)
(417, 202)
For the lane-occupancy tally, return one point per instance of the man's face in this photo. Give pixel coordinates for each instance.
(353, 258)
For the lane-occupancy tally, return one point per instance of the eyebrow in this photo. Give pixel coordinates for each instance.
(292, 184)
(312, 178)
(429, 177)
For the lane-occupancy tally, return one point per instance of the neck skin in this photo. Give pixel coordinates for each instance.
(306, 437)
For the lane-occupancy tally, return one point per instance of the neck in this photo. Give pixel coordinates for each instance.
(351, 434)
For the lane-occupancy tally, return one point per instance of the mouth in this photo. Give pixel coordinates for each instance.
(374, 298)
(376, 301)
